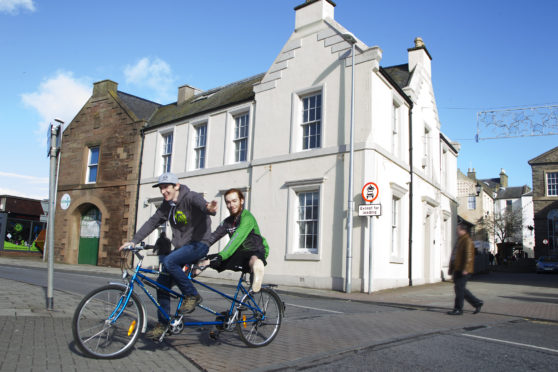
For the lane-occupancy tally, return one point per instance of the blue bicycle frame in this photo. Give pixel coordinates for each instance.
(138, 278)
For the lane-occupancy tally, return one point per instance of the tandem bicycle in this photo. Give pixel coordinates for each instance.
(108, 321)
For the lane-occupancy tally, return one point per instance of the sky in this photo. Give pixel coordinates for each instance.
(486, 55)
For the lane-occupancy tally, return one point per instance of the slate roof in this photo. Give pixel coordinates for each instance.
(142, 108)
(513, 192)
(400, 74)
(210, 100)
(493, 183)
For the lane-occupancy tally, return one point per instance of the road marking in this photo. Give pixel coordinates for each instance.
(512, 343)
(316, 308)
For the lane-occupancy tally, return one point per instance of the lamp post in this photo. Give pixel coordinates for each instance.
(55, 130)
(348, 37)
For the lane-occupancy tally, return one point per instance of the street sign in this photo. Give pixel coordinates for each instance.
(370, 210)
(44, 205)
(65, 201)
(370, 192)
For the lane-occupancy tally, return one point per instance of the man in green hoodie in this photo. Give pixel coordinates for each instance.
(187, 213)
(247, 249)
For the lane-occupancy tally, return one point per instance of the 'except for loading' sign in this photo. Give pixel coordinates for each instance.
(370, 192)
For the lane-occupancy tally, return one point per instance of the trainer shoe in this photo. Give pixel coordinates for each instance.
(157, 331)
(190, 304)
(258, 269)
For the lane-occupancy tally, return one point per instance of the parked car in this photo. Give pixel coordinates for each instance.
(547, 264)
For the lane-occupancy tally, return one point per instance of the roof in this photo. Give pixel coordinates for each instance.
(513, 192)
(543, 157)
(400, 74)
(228, 95)
(142, 108)
(493, 183)
(22, 206)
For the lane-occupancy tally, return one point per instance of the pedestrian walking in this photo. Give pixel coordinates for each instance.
(461, 267)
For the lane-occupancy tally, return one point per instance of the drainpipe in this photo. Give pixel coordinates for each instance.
(410, 193)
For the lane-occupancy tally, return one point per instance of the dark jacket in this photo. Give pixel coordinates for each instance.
(188, 218)
(463, 255)
(244, 234)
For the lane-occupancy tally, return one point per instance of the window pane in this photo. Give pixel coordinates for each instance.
(92, 174)
(94, 157)
(308, 220)
(552, 183)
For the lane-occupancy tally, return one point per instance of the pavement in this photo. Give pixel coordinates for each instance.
(35, 339)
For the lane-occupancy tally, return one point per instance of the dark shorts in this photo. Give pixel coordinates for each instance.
(239, 261)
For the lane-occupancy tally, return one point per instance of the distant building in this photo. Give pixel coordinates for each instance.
(544, 169)
(486, 198)
(19, 222)
(98, 176)
(475, 202)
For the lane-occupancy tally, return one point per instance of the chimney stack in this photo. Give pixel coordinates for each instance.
(419, 56)
(503, 178)
(101, 88)
(313, 11)
(186, 92)
(472, 174)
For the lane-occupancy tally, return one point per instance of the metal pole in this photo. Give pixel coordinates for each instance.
(350, 206)
(370, 256)
(54, 129)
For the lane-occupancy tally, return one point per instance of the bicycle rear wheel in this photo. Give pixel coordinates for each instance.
(259, 327)
(98, 329)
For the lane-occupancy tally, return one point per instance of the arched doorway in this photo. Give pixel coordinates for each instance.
(90, 231)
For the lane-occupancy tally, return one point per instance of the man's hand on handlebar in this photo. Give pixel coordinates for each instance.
(126, 245)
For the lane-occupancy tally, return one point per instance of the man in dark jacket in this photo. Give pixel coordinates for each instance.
(247, 249)
(461, 266)
(187, 212)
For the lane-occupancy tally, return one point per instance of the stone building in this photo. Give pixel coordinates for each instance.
(544, 169)
(98, 176)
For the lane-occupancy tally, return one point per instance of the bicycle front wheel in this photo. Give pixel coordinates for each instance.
(258, 326)
(104, 325)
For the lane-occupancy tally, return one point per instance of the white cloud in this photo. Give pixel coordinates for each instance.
(61, 96)
(23, 185)
(30, 179)
(13, 6)
(155, 75)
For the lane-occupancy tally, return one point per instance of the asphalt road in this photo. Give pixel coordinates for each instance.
(499, 343)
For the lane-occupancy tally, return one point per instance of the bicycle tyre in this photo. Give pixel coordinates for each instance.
(95, 335)
(260, 332)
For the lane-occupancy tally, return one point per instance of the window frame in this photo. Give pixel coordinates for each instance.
(91, 165)
(240, 139)
(166, 156)
(549, 185)
(306, 139)
(398, 195)
(471, 200)
(293, 250)
(199, 149)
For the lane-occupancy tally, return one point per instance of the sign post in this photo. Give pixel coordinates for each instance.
(53, 147)
(370, 192)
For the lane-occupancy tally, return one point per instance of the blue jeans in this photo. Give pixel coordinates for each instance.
(173, 264)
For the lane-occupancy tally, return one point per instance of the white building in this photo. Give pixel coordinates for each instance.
(519, 199)
(284, 137)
